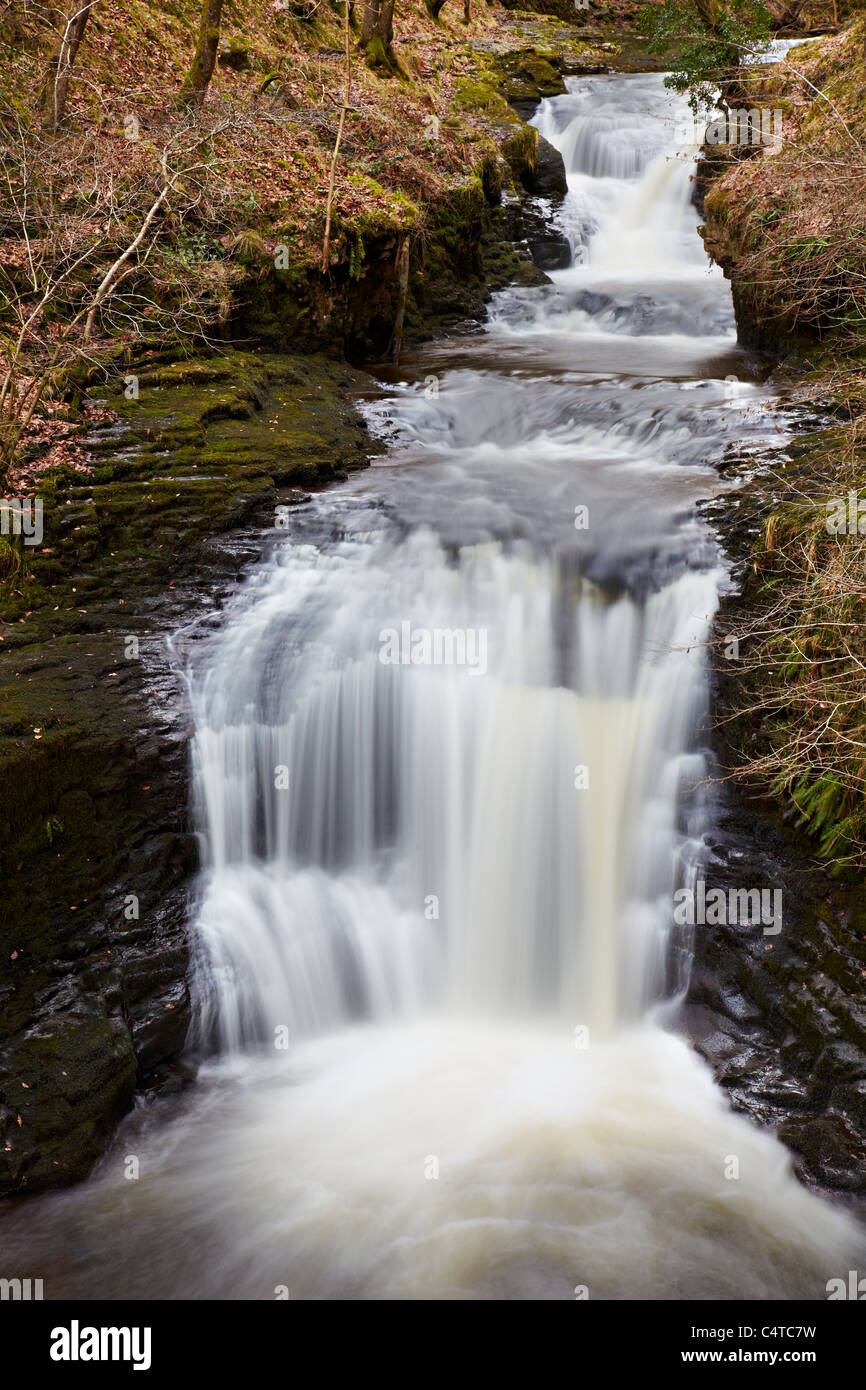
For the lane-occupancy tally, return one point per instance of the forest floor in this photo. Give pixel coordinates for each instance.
(250, 174)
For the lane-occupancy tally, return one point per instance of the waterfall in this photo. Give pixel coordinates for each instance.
(533, 802)
(500, 841)
(449, 766)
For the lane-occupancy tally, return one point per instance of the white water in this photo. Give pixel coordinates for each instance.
(411, 782)
(443, 1041)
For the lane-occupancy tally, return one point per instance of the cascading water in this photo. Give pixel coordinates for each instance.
(529, 807)
(448, 883)
(498, 839)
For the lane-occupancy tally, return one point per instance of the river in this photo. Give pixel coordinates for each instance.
(449, 770)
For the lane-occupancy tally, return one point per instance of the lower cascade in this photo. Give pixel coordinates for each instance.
(450, 774)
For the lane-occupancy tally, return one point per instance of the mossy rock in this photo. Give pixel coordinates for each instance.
(63, 1087)
(528, 77)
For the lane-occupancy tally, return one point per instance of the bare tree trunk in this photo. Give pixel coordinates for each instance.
(388, 22)
(377, 32)
(369, 20)
(433, 7)
(55, 89)
(197, 80)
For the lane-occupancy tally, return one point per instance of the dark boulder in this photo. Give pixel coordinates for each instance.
(548, 178)
(63, 1086)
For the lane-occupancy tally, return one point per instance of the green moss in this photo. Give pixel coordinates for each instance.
(478, 96)
(253, 422)
(378, 58)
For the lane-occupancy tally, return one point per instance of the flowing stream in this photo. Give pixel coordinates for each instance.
(449, 766)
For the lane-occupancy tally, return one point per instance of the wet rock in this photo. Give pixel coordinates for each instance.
(532, 236)
(63, 1086)
(777, 1017)
(838, 1062)
(849, 1101)
(96, 850)
(830, 1150)
(548, 178)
